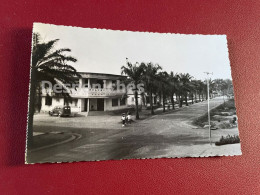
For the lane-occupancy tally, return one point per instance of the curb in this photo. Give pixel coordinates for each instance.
(74, 136)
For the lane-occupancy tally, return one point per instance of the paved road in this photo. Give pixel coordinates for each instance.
(165, 135)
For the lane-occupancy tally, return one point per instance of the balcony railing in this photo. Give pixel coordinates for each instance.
(89, 92)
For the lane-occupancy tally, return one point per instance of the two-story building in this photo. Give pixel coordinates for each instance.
(95, 92)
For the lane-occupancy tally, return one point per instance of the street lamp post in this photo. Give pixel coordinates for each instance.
(208, 105)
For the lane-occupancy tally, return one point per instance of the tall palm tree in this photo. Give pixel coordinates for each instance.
(193, 91)
(135, 74)
(48, 64)
(185, 85)
(174, 82)
(163, 85)
(201, 89)
(195, 85)
(150, 76)
(212, 87)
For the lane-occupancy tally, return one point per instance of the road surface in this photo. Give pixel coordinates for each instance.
(102, 137)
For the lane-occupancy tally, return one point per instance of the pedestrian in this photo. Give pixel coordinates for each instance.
(123, 119)
(129, 118)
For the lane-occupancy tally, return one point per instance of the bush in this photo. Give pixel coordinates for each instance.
(229, 139)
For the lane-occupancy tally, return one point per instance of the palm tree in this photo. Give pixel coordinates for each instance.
(185, 86)
(48, 64)
(163, 85)
(212, 87)
(195, 84)
(174, 82)
(150, 75)
(201, 89)
(193, 90)
(135, 74)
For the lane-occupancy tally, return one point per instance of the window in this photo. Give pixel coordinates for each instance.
(48, 100)
(114, 102)
(122, 101)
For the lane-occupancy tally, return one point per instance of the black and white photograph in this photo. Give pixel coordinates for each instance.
(99, 94)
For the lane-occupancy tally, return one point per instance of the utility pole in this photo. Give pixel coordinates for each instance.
(207, 73)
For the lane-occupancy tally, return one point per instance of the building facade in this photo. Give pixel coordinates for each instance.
(95, 92)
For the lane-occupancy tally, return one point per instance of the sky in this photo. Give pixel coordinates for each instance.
(105, 51)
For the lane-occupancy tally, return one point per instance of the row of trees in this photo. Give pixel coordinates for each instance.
(171, 87)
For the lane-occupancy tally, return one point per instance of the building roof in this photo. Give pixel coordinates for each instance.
(101, 75)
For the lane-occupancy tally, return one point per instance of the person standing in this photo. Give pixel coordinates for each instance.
(129, 118)
(123, 119)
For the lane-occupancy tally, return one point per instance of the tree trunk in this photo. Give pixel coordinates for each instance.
(172, 100)
(143, 99)
(39, 98)
(151, 101)
(186, 99)
(163, 97)
(192, 98)
(196, 97)
(136, 106)
(180, 101)
(33, 86)
(160, 98)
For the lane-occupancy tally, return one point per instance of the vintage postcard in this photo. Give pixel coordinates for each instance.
(98, 94)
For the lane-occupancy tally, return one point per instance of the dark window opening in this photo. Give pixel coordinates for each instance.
(48, 100)
(101, 83)
(114, 84)
(114, 102)
(122, 101)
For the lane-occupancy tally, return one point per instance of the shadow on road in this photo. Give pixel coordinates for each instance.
(149, 145)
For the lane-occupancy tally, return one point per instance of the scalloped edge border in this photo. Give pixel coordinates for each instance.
(146, 32)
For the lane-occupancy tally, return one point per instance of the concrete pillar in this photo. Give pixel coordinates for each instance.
(89, 83)
(82, 104)
(105, 84)
(88, 105)
(80, 83)
(105, 105)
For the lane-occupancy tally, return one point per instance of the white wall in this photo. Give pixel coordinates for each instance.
(131, 100)
(75, 104)
(55, 102)
(81, 104)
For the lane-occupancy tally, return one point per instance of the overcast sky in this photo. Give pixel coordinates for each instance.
(105, 51)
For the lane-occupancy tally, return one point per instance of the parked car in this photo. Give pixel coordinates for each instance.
(60, 111)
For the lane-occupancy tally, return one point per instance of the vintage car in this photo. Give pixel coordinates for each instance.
(60, 111)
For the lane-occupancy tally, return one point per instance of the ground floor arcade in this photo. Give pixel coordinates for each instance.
(85, 104)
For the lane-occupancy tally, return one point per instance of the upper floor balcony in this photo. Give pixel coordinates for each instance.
(87, 92)
(90, 85)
